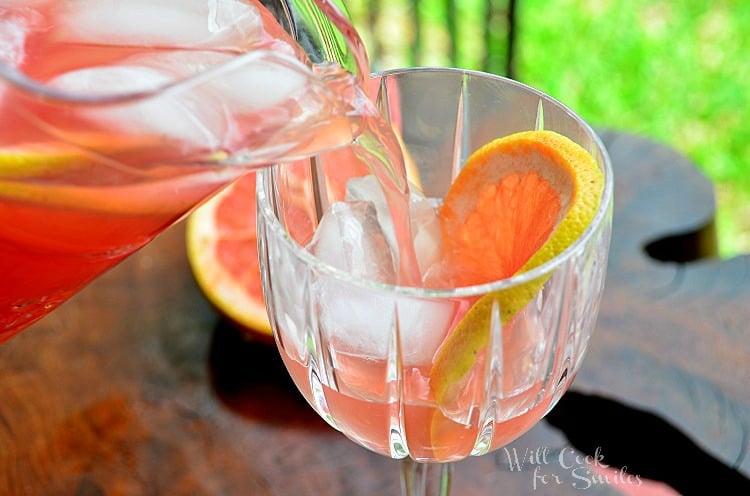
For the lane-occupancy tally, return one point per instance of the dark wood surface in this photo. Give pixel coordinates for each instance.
(136, 386)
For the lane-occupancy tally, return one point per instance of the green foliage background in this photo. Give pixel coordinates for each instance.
(677, 71)
(674, 70)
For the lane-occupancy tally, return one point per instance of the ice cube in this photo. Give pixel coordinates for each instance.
(350, 238)
(242, 83)
(163, 23)
(367, 188)
(108, 80)
(240, 99)
(15, 25)
(426, 232)
(184, 116)
(262, 85)
(423, 212)
(360, 321)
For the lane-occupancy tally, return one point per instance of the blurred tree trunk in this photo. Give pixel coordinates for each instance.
(471, 34)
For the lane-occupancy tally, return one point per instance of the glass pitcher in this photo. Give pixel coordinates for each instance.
(118, 118)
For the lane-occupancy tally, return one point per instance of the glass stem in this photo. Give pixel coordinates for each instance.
(425, 479)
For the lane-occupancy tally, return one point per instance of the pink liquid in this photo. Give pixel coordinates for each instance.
(49, 249)
(121, 181)
(367, 411)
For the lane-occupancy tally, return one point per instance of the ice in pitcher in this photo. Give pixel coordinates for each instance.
(215, 113)
(229, 24)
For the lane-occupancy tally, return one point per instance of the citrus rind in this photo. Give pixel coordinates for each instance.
(457, 354)
(228, 295)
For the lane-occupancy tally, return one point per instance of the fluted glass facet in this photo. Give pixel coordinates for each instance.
(361, 351)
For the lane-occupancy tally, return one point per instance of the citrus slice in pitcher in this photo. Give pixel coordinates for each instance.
(33, 159)
(518, 202)
(51, 157)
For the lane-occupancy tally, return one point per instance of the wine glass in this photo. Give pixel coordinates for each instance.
(361, 350)
(117, 119)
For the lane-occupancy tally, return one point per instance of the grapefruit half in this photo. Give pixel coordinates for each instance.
(222, 250)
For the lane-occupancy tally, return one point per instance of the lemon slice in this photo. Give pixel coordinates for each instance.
(37, 159)
(45, 157)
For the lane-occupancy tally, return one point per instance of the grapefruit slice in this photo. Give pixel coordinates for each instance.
(518, 202)
(222, 250)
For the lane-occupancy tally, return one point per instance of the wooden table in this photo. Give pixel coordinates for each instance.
(136, 387)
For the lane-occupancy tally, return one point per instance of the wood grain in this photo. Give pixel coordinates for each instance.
(136, 386)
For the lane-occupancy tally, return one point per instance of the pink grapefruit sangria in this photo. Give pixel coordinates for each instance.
(509, 218)
(117, 118)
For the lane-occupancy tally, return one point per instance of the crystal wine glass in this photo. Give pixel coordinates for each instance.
(361, 350)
